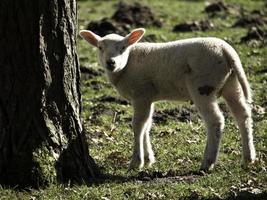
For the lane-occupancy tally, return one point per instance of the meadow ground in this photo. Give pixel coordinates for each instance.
(178, 134)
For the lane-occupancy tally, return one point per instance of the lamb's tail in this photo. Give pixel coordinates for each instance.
(235, 63)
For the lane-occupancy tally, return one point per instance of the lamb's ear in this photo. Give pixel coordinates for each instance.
(135, 36)
(90, 37)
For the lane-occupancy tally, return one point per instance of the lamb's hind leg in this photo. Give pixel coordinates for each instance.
(142, 110)
(214, 122)
(241, 110)
(205, 100)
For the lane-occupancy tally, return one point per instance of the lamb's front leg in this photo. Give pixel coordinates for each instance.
(148, 152)
(142, 110)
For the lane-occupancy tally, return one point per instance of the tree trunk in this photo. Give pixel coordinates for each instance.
(41, 136)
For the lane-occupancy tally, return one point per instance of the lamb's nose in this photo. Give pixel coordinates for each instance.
(110, 64)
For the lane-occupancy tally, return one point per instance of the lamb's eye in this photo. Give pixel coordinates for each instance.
(100, 48)
(123, 48)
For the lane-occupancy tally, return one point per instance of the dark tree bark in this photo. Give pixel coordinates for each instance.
(41, 136)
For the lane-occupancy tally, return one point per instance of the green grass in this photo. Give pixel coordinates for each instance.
(178, 145)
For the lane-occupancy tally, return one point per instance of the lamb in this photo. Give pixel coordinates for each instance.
(198, 69)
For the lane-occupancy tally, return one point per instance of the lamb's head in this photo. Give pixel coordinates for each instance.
(113, 49)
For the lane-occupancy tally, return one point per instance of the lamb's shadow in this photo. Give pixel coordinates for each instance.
(172, 176)
(143, 176)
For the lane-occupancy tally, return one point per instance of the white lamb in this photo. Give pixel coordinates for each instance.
(197, 69)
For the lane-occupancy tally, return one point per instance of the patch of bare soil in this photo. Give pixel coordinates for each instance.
(181, 114)
(254, 19)
(97, 85)
(107, 26)
(170, 176)
(220, 7)
(89, 72)
(202, 25)
(135, 15)
(126, 17)
(256, 22)
(255, 33)
(111, 99)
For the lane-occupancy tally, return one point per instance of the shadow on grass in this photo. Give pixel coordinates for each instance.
(144, 176)
(172, 176)
(241, 196)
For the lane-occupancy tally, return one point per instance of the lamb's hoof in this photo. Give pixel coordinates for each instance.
(136, 163)
(150, 161)
(248, 163)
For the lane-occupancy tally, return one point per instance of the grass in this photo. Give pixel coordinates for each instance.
(178, 145)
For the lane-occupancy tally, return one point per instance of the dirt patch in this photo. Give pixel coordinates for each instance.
(168, 177)
(220, 7)
(256, 33)
(97, 85)
(256, 22)
(89, 72)
(180, 114)
(135, 15)
(145, 176)
(254, 19)
(107, 26)
(126, 17)
(111, 99)
(202, 25)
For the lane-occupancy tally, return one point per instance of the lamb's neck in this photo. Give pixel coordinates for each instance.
(114, 78)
